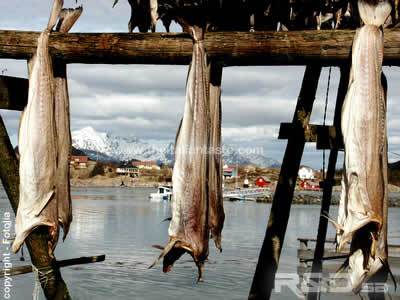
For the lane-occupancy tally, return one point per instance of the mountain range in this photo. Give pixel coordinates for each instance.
(108, 147)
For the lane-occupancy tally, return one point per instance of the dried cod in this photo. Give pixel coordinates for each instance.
(44, 187)
(363, 205)
(197, 195)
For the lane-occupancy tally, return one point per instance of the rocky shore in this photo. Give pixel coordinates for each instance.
(300, 197)
(314, 198)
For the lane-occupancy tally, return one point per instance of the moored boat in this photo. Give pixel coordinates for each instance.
(164, 193)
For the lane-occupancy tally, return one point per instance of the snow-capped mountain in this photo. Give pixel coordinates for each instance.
(109, 147)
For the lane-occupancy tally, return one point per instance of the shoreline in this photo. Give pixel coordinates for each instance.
(300, 197)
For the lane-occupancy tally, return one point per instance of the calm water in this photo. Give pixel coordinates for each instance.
(123, 224)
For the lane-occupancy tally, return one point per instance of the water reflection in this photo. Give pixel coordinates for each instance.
(123, 224)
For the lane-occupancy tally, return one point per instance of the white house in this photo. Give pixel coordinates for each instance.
(149, 165)
(128, 171)
(306, 173)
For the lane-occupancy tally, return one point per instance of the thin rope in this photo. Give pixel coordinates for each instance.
(325, 112)
(41, 277)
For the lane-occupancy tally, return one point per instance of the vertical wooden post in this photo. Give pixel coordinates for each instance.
(328, 183)
(37, 241)
(264, 277)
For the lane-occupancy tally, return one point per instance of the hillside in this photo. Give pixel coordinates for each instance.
(108, 147)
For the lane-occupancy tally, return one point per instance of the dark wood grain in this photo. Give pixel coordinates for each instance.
(232, 48)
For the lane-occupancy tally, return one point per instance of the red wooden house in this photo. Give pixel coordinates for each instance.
(262, 182)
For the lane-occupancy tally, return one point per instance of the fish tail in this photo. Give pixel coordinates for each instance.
(55, 13)
(218, 241)
(68, 17)
(374, 12)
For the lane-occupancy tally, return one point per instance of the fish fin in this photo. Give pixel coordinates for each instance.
(373, 245)
(343, 266)
(177, 135)
(165, 251)
(217, 242)
(159, 247)
(200, 268)
(338, 227)
(115, 3)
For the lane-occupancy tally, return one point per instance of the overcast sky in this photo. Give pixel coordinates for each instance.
(147, 101)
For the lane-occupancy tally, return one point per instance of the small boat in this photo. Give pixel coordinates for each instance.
(307, 185)
(164, 193)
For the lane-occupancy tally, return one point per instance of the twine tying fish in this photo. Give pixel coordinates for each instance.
(41, 279)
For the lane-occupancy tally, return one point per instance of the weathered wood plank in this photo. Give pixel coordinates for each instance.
(232, 48)
(61, 264)
(326, 137)
(13, 93)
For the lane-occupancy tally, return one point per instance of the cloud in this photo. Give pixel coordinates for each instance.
(147, 101)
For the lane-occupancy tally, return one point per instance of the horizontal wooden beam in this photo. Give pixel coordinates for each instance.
(232, 48)
(62, 263)
(326, 137)
(13, 93)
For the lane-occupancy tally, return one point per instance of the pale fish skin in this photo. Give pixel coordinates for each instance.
(37, 147)
(363, 205)
(216, 208)
(68, 17)
(189, 230)
(153, 14)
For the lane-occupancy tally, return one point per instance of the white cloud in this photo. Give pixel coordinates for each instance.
(147, 101)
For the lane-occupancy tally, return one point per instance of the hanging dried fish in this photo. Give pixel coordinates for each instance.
(68, 17)
(37, 146)
(189, 227)
(144, 15)
(363, 206)
(153, 14)
(215, 198)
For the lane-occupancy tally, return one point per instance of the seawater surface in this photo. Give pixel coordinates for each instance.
(123, 224)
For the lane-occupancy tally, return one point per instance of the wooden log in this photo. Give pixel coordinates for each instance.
(62, 263)
(307, 240)
(328, 185)
(331, 47)
(264, 277)
(37, 242)
(13, 93)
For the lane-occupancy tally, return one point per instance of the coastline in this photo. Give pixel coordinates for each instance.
(300, 197)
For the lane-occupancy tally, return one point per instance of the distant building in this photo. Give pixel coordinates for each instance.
(148, 165)
(309, 185)
(230, 171)
(128, 171)
(262, 182)
(79, 162)
(306, 173)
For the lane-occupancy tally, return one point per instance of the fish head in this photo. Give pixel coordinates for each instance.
(364, 262)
